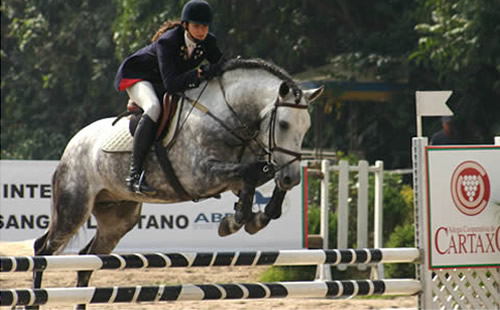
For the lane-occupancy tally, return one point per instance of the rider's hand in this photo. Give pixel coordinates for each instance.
(208, 71)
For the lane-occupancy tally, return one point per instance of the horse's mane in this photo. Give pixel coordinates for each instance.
(256, 63)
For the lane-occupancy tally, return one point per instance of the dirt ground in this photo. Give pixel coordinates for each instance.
(184, 276)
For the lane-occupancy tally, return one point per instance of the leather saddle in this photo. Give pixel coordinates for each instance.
(168, 108)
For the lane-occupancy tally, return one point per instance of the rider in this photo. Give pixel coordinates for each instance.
(171, 63)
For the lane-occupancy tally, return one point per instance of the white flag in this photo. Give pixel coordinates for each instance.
(433, 103)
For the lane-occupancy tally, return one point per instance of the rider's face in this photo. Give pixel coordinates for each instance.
(198, 31)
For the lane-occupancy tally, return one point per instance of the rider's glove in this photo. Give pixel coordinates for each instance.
(209, 71)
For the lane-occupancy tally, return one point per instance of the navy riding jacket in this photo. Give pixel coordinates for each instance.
(165, 62)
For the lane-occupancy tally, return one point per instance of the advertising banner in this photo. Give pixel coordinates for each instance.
(463, 200)
(25, 214)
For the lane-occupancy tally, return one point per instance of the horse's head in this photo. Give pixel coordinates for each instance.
(288, 124)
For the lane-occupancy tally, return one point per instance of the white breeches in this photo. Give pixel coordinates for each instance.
(144, 95)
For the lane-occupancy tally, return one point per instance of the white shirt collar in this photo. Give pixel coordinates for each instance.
(190, 44)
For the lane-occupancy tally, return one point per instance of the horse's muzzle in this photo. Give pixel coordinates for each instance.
(286, 181)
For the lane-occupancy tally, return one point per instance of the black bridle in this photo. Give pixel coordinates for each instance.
(271, 110)
(272, 145)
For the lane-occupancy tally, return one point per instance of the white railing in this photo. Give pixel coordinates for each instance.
(363, 169)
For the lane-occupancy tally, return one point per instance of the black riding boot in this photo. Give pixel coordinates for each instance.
(143, 139)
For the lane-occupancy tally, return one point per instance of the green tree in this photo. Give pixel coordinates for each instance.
(459, 50)
(57, 73)
(137, 21)
(59, 59)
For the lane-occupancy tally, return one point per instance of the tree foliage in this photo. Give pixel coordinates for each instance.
(59, 58)
(56, 73)
(459, 50)
(137, 21)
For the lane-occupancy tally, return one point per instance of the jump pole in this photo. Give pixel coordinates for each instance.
(197, 292)
(209, 259)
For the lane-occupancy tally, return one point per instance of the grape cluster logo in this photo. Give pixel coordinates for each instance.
(470, 188)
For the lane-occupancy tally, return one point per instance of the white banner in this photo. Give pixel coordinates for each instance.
(25, 214)
(463, 189)
(433, 103)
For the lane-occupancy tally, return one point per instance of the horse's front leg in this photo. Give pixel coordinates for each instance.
(242, 212)
(251, 174)
(243, 207)
(271, 212)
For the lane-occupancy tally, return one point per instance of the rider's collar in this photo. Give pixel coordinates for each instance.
(190, 44)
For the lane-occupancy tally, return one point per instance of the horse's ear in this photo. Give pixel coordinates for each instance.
(312, 94)
(284, 89)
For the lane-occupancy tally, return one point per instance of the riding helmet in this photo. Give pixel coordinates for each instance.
(197, 11)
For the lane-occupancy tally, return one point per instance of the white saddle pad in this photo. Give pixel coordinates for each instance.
(119, 138)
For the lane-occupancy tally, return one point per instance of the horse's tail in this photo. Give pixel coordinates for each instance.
(41, 246)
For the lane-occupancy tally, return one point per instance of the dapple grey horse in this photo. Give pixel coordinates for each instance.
(229, 126)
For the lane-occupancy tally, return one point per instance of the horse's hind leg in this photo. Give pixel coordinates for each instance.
(114, 220)
(70, 210)
(71, 207)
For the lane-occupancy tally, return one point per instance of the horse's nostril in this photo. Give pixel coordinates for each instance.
(287, 180)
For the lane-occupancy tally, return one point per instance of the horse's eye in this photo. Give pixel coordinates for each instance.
(284, 125)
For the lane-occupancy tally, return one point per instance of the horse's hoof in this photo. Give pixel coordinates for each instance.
(228, 226)
(259, 221)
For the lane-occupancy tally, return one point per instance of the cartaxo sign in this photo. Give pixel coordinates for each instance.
(463, 201)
